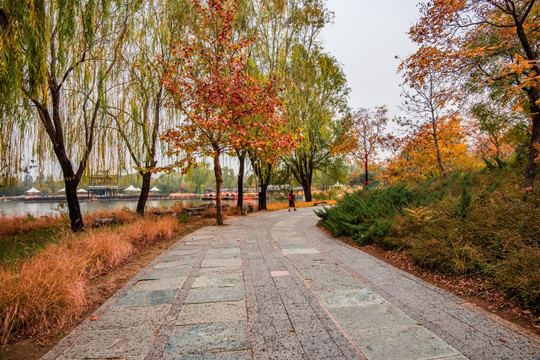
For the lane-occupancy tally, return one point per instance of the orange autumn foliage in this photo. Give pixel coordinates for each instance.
(491, 46)
(418, 160)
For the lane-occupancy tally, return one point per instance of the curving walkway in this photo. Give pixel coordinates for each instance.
(273, 286)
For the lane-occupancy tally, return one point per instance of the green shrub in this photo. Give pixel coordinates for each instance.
(366, 215)
(469, 224)
(489, 164)
(518, 275)
(465, 201)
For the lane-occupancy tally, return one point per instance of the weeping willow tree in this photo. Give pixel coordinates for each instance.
(317, 103)
(314, 86)
(55, 59)
(279, 27)
(137, 109)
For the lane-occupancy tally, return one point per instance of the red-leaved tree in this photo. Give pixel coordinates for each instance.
(225, 107)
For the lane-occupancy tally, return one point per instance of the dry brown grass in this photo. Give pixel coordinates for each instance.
(125, 215)
(147, 231)
(281, 206)
(14, 225)
(49, 290)
(178, 206)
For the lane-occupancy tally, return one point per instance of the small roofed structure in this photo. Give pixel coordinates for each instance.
(337, 186)
(32, 192)
(103, 185)
(83, 192)
(130, 188)
(155, 189)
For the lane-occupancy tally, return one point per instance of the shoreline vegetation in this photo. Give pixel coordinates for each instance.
(46, 271)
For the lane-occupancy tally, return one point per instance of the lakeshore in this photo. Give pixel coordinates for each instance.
(57, 207)
(11, 206)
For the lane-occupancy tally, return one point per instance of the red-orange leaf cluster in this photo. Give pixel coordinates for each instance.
(226, 104)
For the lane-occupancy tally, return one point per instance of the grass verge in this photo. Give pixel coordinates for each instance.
(48, 290)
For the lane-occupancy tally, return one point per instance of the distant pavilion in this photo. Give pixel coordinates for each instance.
(103, 185)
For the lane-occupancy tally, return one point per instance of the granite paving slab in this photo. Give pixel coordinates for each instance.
(126, 317)
(207, 295)
(160, 284)
(153, 274)
(148, 298)
(219, 280)
(224, 355)
(391, 343)
(221, 269)
(350, 297)
(379, 316)
(221, 262)
(111, 343)
(220, 336)
(212, 313)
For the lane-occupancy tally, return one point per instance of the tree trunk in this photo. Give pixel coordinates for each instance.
(264, 187)
(303, 173)
(262, 197)
(219, 181)
(366, 169)
(145, 190)
(241, 169)
(71, 180)
(439, 158)
(73, 204)
(530, 171)
(306, 185)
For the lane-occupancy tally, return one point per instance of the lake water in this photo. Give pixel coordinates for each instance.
(10, 208)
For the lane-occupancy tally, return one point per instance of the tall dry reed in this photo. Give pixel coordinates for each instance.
(18, 224)
(44, 292)
(48, 290)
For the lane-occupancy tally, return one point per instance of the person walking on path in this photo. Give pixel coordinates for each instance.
(291, 201)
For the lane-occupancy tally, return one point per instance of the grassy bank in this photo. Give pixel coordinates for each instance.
(471, 225)
(23, 236)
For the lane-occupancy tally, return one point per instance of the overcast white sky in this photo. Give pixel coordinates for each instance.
(365, 38)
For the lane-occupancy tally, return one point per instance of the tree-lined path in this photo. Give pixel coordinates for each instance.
(272, 285)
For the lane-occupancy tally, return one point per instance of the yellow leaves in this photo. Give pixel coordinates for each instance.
(536, 147)
(421, 214)
(345, 144)
(418, 157)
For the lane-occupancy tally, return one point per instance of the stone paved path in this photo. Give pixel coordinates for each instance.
(273, 286)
